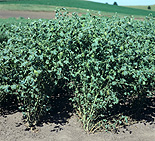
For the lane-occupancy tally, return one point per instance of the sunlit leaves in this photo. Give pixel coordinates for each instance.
(101, 60)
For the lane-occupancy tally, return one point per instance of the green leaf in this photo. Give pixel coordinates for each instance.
(89, 95)
(13, 87)
(101, 93)
(125, 73)
(114, 83)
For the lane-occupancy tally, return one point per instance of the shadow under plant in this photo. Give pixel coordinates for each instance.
(59, 114)
(138, 111)
(62, 110)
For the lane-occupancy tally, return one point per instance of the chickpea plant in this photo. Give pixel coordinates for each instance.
(101, 60)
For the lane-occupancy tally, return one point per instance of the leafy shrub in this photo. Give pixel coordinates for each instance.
(115, 3)
(103, 61)
(149, 7)
(3, 36)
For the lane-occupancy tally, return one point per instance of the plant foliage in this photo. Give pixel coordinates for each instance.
(149, 7)
(101, 60)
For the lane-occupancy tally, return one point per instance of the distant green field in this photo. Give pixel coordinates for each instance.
(143, 7)
(84, 5)
(13, 20)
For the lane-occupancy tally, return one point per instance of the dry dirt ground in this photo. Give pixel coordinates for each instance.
(26, 14)
(12, 128)
(64, 126)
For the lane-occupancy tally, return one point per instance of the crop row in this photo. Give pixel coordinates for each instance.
(101, 62)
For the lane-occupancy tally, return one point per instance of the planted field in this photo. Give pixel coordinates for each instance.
(84, 5)
(102, 65)
(144, 7)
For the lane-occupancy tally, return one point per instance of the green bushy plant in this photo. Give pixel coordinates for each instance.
(149, 7)
(115, 3)
(101, 60)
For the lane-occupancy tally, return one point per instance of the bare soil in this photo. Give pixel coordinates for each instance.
(12, 128)
(63, 125)
(27, 14)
